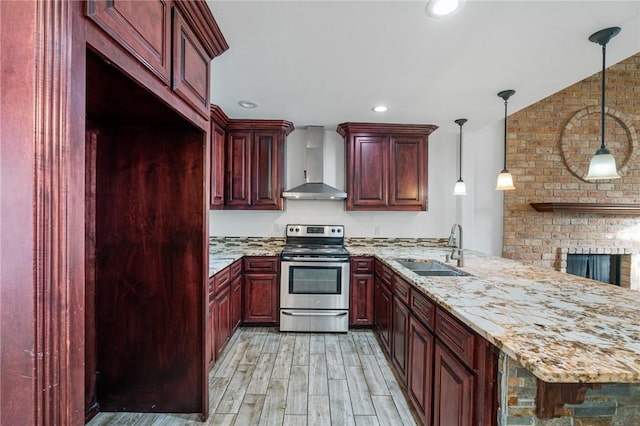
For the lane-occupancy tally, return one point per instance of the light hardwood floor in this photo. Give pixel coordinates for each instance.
(265, 377)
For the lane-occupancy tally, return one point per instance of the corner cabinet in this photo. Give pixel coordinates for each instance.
(255, 153)
(386, 165)
(219, 122)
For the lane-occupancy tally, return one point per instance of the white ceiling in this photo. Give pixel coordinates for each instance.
(327, 62)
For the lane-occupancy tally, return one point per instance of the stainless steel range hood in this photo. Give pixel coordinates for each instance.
(315, 188)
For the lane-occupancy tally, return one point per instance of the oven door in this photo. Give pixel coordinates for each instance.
(314, 285)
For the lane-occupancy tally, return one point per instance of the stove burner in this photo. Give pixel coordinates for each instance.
(315, 241)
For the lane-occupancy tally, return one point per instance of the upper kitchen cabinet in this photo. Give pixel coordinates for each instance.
(219, 122)
(255, 164)
(174, 40)
(386, 165)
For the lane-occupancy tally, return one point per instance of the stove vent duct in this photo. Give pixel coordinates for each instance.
(314, 188)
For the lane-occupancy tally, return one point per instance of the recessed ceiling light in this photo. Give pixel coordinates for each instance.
(439, 8)
(248, 104)
(379, 108)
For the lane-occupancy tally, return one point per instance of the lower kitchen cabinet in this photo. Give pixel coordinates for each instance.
(420, 368)
(382, 312)
(236, 302)
(400, 327)
(261, 290)
(453, 394)
(222, 319)
(361, 291)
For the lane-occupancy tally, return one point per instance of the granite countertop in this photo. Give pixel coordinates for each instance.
(560, 327)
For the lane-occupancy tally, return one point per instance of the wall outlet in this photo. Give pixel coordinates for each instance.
(376, 231)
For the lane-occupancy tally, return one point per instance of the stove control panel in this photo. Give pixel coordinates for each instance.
(315, 231)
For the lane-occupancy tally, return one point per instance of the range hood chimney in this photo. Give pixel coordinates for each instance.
(315, 188)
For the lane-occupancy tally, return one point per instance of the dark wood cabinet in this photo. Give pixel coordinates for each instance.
(386, 165)
(382, 309)
(225, 308)
(222, 319)
(236, 302)
(217, 157)
(453, 394)
(361, 291)
(255, 164)
(400, 336)
(420, 368)
(261, 290)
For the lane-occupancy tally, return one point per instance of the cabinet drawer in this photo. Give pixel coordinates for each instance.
(261, 264)
(384, 273)
(362, 264)
(236, 268)
(219, 280)
(401, 289)
(456, 336)
(423, 308)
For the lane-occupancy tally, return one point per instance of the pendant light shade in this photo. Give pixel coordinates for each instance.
(460, 188)
(505, 180)
(603, 165)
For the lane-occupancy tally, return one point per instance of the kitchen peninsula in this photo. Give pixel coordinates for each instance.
(558, 335)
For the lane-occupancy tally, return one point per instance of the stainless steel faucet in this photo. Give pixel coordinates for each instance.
(456, 253)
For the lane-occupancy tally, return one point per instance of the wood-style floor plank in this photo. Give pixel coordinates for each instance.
(301, 350)
(271, 343)
(335, 363)
(282, 366)
(386, 410)
(367, 421)
(318, 378)
(231, 358)
(295, 420)
(298, 390)
(340, 403)
(348, 348)
(217, 387)
(254, 349)
(319, 414)
(359, 392)
(222, 420)
(362, 343)
(261, 374)
(233, 395)
(316, 345)
(372, 374)
(250, 410)
(275, 402)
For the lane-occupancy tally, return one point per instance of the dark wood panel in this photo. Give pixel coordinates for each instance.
(594, 208)
(420, 369)
(143, 28)
(220, 280)
(238, 165)
(236, 302)
(216, 172)
(362, 265)
(261, 298)
(424, 309)
(190, 66)
(400, 324)
(453, 390)
(265, 170)
(371, 170)
(401, 289)
(361, 299)
(458, 337)
(150, 236)
(261, 264)
(222, 319)
(211, 337)
(408, 178)
(382, 312)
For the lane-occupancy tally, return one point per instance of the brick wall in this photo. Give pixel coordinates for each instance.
(549, 147)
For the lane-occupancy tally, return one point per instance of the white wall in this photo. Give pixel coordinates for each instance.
(480, 212)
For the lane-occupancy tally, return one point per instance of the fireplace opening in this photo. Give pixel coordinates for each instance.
(600, 267)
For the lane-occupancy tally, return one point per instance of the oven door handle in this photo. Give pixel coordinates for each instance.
(315, 259)
(314, 314)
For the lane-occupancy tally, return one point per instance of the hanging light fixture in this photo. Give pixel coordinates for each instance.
(505, 180)
(603, 165)
(460, 188)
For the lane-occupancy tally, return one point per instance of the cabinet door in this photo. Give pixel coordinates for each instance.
(261, 298)
(382, 308)
(236, 302)
(370, 172)
(420, 368)
(143, 28)
(216, 188)
(266, 169)
(211, 349)
(400, 324)
(238, 168)
(191, 63)
(361, 302)
(408, 173)
(222, 324)
(453, 390)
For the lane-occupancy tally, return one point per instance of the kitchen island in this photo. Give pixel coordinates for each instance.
(560, 336)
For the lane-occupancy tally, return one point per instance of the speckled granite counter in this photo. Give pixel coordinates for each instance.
(223, 251)
(560, 327)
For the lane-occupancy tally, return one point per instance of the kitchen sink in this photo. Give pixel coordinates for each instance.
(432, 268)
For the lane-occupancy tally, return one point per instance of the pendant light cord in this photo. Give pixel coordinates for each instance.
(604, 74)
(505, 135)
(460, 164)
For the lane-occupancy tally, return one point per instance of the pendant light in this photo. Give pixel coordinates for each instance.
(505, 180)
(603, 165)
(460, 188)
